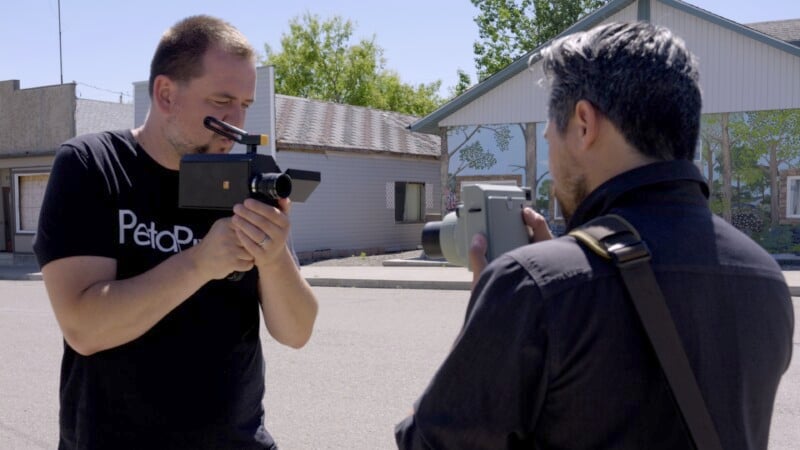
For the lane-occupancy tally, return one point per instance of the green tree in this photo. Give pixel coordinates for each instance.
(464, 83)
(394, 95)
(510, 28)
(318, 60)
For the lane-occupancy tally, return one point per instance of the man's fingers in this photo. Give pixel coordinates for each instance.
(537, 224)
(477, 256)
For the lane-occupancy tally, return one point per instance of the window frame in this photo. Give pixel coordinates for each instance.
(17, 207)
(789, 197)
(400, 192)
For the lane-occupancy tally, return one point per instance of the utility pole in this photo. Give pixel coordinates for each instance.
(60, 57)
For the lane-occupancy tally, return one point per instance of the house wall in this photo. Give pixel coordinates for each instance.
(35, 120)
(737, 72)
(33, 124)
(141, 102)
(350, 209)
(5, 210)
(20, 242)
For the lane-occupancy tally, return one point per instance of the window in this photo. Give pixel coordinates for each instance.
(409, 202)
(29, 189)
(793, 197)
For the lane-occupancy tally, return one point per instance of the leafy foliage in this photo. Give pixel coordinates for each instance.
(318, 61)
(510, 28)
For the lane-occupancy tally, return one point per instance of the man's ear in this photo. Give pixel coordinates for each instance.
(163, 93)
(587, 119)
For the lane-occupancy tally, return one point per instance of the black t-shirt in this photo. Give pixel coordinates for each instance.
(194, 380)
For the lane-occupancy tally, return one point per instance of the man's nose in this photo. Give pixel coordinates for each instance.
(235, 116)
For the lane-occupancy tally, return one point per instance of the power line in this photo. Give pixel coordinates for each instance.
(103, 89)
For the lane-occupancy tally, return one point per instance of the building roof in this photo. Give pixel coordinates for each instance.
(785, 30)
(430, 123)
(93, 116)
(304, 124)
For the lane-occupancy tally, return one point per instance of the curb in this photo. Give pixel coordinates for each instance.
(389, 284)
(31, 274)
(20, 275)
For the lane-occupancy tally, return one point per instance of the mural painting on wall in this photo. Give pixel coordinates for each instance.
(752, 163)
(482, 153)
(497, 154)
(745, 157)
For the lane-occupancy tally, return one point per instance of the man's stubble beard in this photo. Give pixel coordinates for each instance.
(569, 201)
(182, 146)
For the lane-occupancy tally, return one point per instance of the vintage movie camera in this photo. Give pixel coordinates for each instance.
(221, 181)
(218, 182)
(494, 210)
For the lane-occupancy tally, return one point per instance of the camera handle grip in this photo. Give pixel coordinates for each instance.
(235, 276)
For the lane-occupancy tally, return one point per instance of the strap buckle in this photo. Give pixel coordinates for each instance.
(629, 253)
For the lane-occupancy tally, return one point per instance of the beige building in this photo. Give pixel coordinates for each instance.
(33, 123)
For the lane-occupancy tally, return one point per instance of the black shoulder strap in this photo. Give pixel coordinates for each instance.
(613, 238)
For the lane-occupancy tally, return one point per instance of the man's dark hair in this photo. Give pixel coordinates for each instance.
(639, 75)
(180, 51)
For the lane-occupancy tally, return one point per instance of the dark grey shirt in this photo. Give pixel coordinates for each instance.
(552, 354)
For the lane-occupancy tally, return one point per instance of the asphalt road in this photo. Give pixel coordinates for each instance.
(372, 354)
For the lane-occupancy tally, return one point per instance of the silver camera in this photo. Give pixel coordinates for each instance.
(494, 210)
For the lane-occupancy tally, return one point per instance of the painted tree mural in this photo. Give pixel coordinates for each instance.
(747, 158)
(773, 138)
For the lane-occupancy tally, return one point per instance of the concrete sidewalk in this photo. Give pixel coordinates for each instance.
(394, 274)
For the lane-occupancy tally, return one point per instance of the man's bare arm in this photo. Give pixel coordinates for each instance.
(287, 301)
(97, 312)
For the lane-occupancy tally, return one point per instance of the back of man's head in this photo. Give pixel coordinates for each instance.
(639, 75)
(180, 51)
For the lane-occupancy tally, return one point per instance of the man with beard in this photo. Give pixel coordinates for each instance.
(161, 349)
(552, 353)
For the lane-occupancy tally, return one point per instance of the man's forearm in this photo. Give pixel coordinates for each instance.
(287, 301)
(110, 313)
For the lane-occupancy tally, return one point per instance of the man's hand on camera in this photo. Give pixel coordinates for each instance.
(263, 229)
(220, 253)
(537, 229)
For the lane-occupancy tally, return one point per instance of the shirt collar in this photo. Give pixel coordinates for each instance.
(602, 199)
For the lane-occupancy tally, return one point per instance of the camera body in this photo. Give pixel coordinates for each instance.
(221, 181)
(494, 210)
(218, 182)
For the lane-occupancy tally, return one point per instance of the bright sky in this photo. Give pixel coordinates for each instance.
(107, 45)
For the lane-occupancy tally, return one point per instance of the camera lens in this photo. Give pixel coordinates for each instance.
(273, 185)
(430, 240)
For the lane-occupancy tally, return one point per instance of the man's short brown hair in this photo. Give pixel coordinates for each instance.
(180, 51)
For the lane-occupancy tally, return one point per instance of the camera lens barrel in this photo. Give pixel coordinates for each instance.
(272, 185)
(430, 240)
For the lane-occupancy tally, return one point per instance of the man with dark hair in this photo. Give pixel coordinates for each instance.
(552, 353)
(161, 349)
